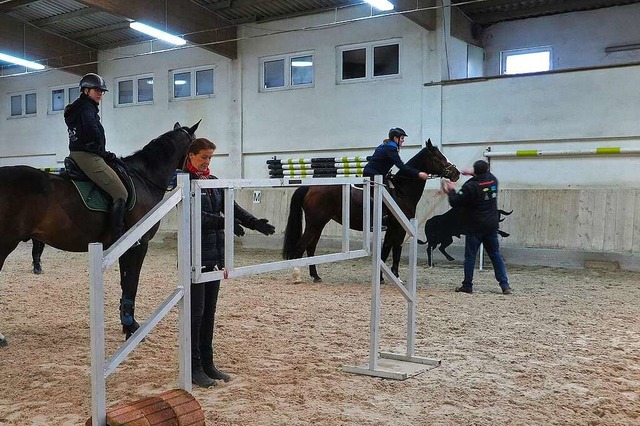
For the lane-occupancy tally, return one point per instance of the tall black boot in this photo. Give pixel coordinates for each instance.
(116, 219)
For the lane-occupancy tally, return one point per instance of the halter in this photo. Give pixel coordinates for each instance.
(447, 170)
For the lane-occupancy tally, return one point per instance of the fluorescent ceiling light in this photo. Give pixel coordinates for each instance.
(383, 5)
(154, 32)
(301, 63)
(179, 82)
(18, 61)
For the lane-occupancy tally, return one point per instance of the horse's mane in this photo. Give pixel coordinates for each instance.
(161, 147)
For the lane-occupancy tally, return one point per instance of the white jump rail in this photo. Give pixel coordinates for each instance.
(100, 260)
(528, 153)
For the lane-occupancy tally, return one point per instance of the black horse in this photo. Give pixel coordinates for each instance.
(46, 207)
(324, 203)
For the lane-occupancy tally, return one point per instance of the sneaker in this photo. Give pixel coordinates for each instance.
(506, 290)
(463, 289)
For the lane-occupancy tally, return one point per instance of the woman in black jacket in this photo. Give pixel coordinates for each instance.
(204, 296)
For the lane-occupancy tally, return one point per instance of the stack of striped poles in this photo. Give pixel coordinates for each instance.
(317, 167)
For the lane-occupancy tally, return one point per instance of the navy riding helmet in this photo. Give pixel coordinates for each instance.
(396, 131)
(93, 81)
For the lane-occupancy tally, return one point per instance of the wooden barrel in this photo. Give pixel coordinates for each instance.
(176, 407)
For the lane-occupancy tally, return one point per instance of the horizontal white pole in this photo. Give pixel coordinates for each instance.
(275, 183)
(277, 266)
(613, 150)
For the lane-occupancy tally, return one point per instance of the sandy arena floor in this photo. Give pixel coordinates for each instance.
(563, 349)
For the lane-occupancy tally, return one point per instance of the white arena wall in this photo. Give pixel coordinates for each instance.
(569, 205)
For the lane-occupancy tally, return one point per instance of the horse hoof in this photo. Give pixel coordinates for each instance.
(37, 269)
(317, 280)
(3, 342)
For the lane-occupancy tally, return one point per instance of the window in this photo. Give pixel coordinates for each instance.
(62, 96)
(286, 71)
(524, 61)
(23, 105)
(369, 61)
(192, 83)
(135, 90)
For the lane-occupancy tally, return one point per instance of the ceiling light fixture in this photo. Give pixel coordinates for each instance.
(159, 34)
(18, 61)
(382, 5)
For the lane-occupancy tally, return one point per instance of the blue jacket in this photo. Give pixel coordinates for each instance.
(478, 198)
(384, 158)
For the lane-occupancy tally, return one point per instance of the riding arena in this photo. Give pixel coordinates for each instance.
(320, 323)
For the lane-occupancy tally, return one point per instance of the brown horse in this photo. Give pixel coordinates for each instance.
(324, 203)
(47, 207)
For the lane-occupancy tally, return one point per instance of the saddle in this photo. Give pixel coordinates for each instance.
(92, 195)
(388, 182)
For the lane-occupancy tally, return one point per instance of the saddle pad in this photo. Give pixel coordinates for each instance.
(96, 199)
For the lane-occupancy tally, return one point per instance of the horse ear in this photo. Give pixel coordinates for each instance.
(176, 126)
(193, 128)
(428, 143)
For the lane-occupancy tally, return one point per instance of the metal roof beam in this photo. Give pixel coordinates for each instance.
(63, 17)
(198, 24)
(499, 10)
(26, 41)
(425, 18)
(9, 5)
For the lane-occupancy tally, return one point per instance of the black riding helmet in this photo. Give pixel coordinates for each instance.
(93, 81)
(396, 131)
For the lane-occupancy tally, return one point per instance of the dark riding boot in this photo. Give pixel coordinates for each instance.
(213, 372)
(116, 219)
(199, 377)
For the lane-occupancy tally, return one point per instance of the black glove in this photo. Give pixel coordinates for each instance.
(212, 221)
(238, 230)
(263, 226)
(109, 156)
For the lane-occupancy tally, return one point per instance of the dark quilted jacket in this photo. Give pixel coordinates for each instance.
(212, 232)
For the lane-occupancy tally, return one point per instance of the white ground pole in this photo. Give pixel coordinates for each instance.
(100, 260)
(393, 366)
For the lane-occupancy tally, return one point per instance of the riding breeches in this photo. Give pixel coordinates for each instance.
(100, 173)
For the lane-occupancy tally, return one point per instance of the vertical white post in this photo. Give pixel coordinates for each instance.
(229, 200)
(375, 272)
(184, 281)
(346, 216)
(481, 262)
(96, 306)
(411, 304)
(366, 215)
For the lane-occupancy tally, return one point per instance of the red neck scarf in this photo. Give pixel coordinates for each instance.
(201, 175)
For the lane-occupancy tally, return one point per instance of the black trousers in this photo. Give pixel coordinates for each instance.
(204, 298)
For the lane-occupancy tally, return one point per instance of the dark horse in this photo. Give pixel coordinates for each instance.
(46, 207)
(324, 203)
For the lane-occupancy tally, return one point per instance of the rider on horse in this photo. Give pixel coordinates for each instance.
(87, 146)
(385, 157)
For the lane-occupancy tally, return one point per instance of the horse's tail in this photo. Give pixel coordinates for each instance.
(293, 231)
